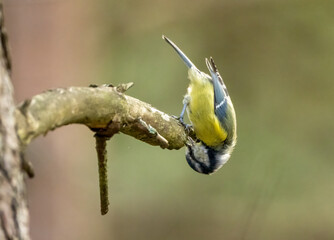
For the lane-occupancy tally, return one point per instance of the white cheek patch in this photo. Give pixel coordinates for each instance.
(223, 158)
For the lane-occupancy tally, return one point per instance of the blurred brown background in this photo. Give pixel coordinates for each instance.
(277, 59)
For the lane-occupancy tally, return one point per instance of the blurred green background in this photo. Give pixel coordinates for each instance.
(276, 58)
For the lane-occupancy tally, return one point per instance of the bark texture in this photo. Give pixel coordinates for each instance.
(13, 203)
(101, 109)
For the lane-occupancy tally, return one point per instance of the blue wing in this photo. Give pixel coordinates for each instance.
(220, 92)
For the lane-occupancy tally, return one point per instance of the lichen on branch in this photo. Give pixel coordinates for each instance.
(97, 108)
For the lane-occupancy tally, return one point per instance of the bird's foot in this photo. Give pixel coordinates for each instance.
(188, 128)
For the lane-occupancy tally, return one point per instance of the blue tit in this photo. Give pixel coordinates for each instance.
(212, 116)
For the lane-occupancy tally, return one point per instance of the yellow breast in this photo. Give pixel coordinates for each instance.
(201, 110)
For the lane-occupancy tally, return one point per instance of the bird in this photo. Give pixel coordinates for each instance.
(211, 113)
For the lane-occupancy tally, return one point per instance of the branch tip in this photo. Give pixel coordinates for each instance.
(124, 87)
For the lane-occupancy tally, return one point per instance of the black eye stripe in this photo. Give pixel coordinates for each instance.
(191, 153)
(193, 159)
(213, 162)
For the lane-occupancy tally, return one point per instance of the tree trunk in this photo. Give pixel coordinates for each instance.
(14, 219)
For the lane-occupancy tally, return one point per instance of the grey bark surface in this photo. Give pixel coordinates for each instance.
(14, 219)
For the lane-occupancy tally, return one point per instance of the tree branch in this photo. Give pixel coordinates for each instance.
(98, 108)
(105, 110)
